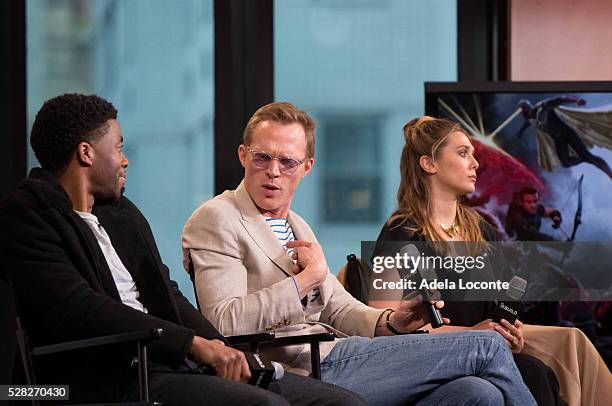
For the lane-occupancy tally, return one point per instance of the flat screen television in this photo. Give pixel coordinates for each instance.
(547, 135)
(555, 137)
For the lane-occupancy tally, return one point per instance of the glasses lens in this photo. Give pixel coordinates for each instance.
(261, 160)
(288, 164)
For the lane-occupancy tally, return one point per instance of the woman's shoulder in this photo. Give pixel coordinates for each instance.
(489, 233)
(395, 233)
(400, 229)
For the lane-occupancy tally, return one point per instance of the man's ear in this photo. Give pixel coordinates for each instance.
(84, 154)
(308, 165)
(242, 155)
(428, 165)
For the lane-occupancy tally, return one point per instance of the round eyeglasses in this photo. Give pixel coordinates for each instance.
(261, 160)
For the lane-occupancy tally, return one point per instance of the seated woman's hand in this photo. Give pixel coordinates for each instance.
(513, 334)
(487, 324)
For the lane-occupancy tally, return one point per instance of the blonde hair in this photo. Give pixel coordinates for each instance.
(427, 136)
(284, 113)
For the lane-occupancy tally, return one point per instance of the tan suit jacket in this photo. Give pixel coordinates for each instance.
(243, 279)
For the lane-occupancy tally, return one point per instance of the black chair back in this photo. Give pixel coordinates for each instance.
(8, 314)
(353, 277)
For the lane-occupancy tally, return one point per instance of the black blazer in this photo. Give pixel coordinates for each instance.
(65, 290)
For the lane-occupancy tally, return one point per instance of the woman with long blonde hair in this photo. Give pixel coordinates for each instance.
(437, 169)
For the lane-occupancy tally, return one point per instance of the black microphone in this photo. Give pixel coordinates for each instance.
(263, 371)
(507, 306)
(435, 317)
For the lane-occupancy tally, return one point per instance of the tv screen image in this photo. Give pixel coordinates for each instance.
(548, 138)
(554, 138)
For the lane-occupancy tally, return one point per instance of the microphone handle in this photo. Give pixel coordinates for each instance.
(435, 317)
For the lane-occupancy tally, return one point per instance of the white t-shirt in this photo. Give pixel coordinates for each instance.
(128, 291)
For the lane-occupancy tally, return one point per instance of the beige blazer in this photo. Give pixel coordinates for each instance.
(244, 284)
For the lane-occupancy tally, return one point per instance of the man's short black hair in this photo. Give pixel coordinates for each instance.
(528, 190)
(65, 121)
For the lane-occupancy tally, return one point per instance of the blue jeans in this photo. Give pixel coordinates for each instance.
(464, 368)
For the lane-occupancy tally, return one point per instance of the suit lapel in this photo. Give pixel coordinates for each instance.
(255, 224)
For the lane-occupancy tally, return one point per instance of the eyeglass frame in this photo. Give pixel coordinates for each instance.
(278, 158)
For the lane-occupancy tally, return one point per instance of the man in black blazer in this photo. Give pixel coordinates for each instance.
(84, 263)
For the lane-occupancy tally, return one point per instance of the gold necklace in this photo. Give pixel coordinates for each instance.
(450, 230)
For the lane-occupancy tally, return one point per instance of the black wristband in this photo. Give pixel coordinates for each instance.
(390, 327)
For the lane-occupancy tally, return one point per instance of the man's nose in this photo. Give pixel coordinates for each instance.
(273, 169)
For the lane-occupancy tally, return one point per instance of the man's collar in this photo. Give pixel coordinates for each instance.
(248, 209)
(256, 226)
(45, 187)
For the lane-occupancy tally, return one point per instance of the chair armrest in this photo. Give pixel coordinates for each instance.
(251, 338)
(303, 339)
(142, 335)
(268, 340)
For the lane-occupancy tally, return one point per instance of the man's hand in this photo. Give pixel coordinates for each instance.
(311, 269)
(411, 315)
(555, 216)
(513, 334)
(227, 362)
